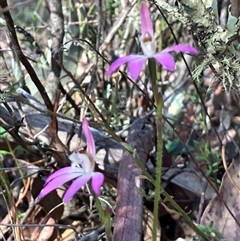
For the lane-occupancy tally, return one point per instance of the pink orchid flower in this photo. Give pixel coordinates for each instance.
(81, 171)
(148, 45)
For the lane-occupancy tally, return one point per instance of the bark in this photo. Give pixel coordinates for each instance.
(129, 205)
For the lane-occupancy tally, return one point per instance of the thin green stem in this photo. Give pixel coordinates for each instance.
(158, 190)
(105, 216)
(159, 104)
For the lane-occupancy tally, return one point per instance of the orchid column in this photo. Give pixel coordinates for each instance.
(135, 65)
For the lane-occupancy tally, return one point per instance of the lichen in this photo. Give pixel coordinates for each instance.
(217, 44)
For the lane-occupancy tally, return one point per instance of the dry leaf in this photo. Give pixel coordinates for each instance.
(217, 215)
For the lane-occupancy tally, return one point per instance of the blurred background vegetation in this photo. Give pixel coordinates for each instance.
(200, 117)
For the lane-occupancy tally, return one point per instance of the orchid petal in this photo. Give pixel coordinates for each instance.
(75, 186)
(60, 172)
(181, 48)
(57, 182)
(166, 60)
(146, 23)
(97, 181)
(82, 160)
(89, 137)
(117, 63)
(135, 66)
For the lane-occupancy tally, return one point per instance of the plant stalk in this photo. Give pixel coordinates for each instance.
(159, 107)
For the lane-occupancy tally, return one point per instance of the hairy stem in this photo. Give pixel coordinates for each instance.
(159, 104)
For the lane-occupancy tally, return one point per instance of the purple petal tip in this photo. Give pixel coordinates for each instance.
(89, 138)
(182, 48)
(146, 23)
(97, 181)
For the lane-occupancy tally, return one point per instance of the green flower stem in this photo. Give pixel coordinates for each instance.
(158, 190)
(159, 105)
(105, 216)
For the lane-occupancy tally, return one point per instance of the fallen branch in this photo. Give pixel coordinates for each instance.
(129, 206)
